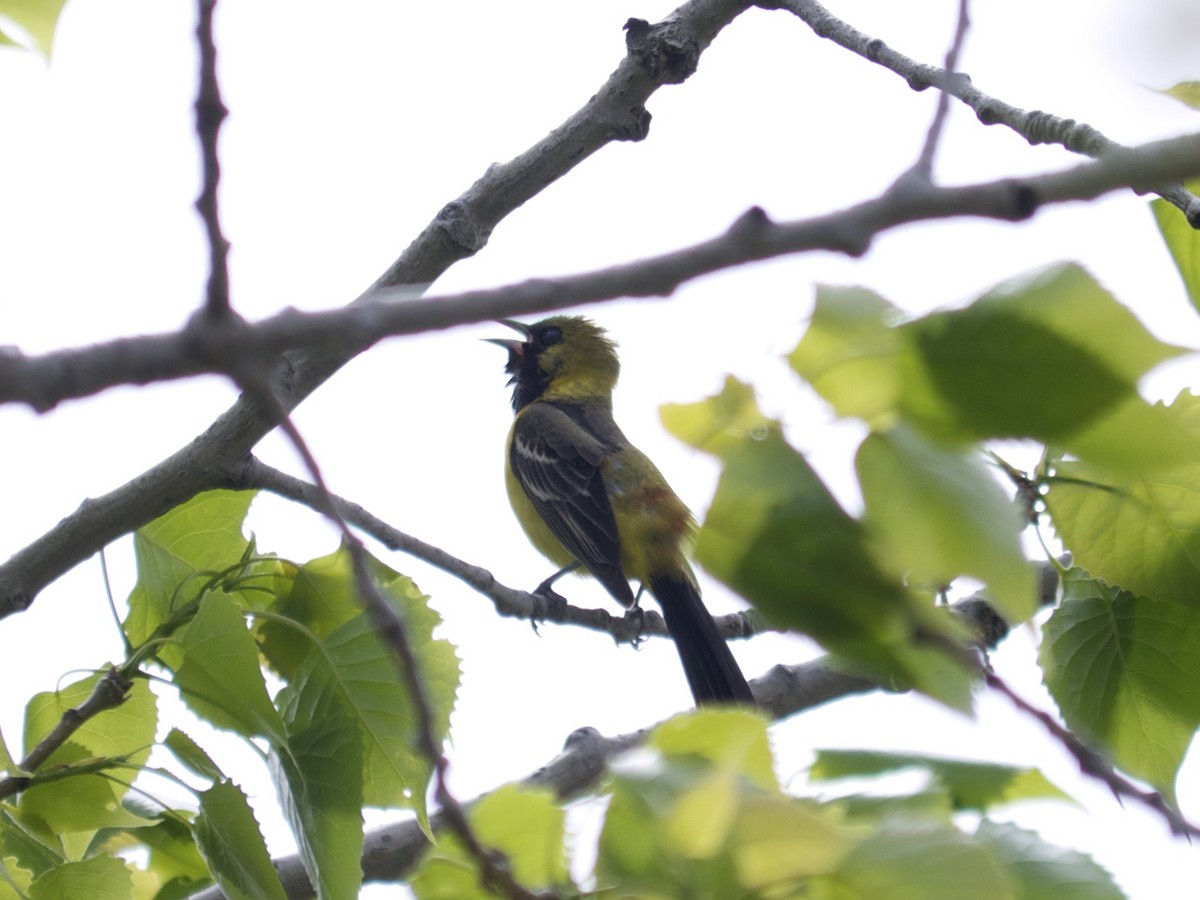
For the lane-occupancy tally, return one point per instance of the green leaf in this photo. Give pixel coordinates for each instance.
(178, 553)
(939, 514)
(718, 424)
(524, 824)
(931, 803)
(780, 840)
(36, 18)
(776, 535)
(126, 730)
(969, 785)
(702, 821)
(354, 666)
(318, 776)
(220, 678)
(28, 845)
(173, 857)
(735, 743)
(228, 837)
(84, 800)
(1123, 671)
(320, 595)
(1135, 438)
(100, 876)
(192, 755)
(1182, 240)
(698, 812)
(986, 371)
(1036, 357)
(14, 880)
(1186, 92)
(645, 846)
(73, 799)
(1041, 871)
(7, 763)
(527, 826)
(1108, 521)
(903, 861)
(446, 873)
(849, 354)
(733, 740)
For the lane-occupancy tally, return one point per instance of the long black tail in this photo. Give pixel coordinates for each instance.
(711, 670)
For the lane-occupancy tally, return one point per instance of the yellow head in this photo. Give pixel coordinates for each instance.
(562, 357)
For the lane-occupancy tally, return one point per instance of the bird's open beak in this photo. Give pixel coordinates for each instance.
(512, 346)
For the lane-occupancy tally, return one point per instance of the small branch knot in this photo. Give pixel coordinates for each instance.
(875, 49)
(1043, 128)
(632, 127)
(989, 112)
(752, 222)
(1022, 203)
(751, 228)
(457, 224)
(666, 55)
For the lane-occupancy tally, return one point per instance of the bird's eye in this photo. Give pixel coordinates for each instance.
(551, 336)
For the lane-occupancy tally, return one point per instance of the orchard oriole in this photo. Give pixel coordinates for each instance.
(589, 499)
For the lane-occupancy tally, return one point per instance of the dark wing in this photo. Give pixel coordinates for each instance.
(557, 461)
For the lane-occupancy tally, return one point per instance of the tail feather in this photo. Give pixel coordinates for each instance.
(711, 670)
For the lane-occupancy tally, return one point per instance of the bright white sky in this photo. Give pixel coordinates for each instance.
(353, 123)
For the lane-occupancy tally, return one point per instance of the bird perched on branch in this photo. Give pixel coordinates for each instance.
(588, 499)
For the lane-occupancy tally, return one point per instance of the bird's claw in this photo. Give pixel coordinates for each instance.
(549, 605)
(636, 615)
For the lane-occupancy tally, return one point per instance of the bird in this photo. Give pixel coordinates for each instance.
(592, 502)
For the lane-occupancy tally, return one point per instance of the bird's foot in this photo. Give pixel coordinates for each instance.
(637, 616)
(548, 606)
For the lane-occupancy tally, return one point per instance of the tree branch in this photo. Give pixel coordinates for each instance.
(508, 602)
(976, 610)
(1093, 764)
(204, 347)
(615, 112)
(923, 168)
(215, 458)
(1035, 126)
(210, 113)
(324, 341)
(109, 693)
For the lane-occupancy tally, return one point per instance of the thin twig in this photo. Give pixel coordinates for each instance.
(976, 611)
(1035, 126)
(112, 603)
(493, 865)
(252, 375)
(1093, 764)
(507, 601)
(923, 168)
(210, 113)
(109, 693)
